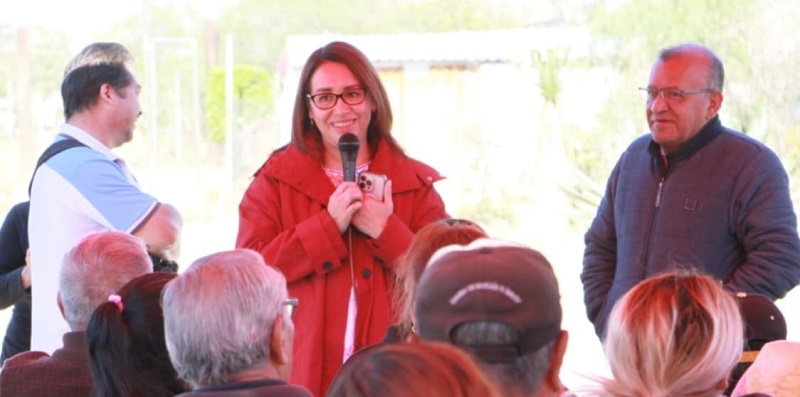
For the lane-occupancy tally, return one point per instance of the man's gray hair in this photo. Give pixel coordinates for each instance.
(96, 268)
(100, 53)
(219, 314)
(716, 72)
(523, 376)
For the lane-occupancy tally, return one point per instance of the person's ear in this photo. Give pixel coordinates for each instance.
(279, 354)
(722, 385)
(714, 104)
(60, 304)
(106, 91)
(106, 96)
(552, 379)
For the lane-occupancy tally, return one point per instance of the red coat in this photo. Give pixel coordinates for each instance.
(282, 216)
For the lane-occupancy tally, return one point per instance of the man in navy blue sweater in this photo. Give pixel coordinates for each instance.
(691, 193)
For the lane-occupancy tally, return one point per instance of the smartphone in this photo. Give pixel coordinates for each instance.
(372, 184)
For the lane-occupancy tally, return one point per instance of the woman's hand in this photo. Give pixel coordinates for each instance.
(372, 217)
(343, 203)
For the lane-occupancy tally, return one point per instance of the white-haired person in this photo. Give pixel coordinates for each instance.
(97, 267)
(677, 334)
(228, 326)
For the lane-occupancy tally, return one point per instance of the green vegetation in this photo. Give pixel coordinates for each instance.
(180, 56)
(252, 95)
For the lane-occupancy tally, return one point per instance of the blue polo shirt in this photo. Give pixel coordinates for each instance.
(75, 193)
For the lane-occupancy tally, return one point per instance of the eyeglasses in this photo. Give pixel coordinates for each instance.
(463, 223)
(457, 221)
(671, 95)
(290, 305)
(328, 100)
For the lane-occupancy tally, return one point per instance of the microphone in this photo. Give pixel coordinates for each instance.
(348, 148)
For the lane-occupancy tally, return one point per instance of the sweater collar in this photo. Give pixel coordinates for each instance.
(252, 384)
(711, 130)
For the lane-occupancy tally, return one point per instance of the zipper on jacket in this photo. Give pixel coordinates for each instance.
(658, 194)
(646, 255)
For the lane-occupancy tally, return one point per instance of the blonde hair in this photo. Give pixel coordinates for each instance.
(676, 334)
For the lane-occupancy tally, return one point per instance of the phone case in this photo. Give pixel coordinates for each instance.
(372, 184)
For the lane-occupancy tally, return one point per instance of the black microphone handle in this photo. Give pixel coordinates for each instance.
(348, 148)
(349, 167)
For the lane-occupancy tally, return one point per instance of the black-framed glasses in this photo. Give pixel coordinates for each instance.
(328, 100)
(671, 95)
(290, 305)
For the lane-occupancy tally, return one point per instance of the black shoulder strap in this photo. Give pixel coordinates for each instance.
(52, 150)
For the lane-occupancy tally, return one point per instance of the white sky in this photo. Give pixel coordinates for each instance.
(79, 19)
(87, 15)
(77, 14)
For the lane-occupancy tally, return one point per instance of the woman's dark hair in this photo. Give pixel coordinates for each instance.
(306, 136)
(127, 351)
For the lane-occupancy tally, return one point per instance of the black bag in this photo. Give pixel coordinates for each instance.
(52, 150)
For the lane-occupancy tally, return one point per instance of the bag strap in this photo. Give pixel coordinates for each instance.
(52, 150)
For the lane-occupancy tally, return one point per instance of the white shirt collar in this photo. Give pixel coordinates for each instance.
(87, 139)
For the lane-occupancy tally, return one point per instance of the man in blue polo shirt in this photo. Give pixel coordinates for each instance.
(88, 188)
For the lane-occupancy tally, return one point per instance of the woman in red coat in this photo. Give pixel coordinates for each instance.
(335, 244)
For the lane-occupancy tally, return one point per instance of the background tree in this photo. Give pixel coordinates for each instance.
(627, 37)
(260, 27)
